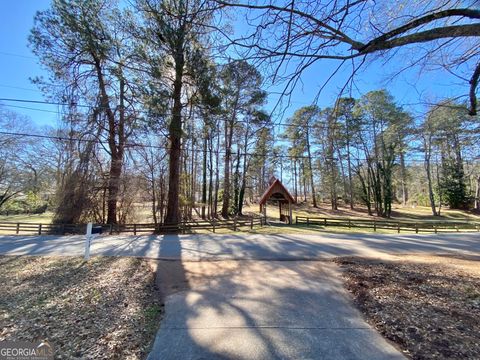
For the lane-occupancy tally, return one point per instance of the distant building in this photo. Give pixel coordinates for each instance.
(277, 193)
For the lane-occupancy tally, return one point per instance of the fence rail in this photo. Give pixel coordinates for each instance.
(238, 224)
(183, 227)
(417, 226)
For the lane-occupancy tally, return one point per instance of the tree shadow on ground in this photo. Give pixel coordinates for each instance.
(257, 309)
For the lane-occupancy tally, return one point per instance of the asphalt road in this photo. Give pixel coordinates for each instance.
(245, 246)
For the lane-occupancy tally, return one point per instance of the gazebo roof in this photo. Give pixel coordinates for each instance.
(276, 191)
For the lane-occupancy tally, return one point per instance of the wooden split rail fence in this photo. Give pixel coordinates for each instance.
(183, 227)
(398, 226)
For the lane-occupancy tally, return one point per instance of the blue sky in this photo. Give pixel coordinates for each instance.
(18, 64)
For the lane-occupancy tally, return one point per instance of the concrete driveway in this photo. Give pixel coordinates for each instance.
(261, 310)
(245, 246)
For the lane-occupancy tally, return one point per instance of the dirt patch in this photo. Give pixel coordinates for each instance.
(107, 308)
(428, 305)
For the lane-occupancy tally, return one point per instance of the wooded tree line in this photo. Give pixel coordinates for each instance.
(371, 152)
(151, 114)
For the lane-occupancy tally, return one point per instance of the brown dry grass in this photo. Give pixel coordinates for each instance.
(107, 308)
(399, 212)
(428, 305)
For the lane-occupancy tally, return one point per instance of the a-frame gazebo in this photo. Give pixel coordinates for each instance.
(278, 193)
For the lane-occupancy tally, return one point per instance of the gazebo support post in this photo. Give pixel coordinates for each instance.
(290, 213)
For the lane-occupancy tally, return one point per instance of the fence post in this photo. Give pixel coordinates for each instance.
(349, 223)
(39, 229)
(478, 228)
(416, 228)
(374, 225)
(251, 223)
(134, 229)
(235, 223)
(456, 228)
(18, 228)
(111, 229)
(308, 221)
(398, 228)
(296, 219)
(325, 222)
(435, 228)
(213, 223)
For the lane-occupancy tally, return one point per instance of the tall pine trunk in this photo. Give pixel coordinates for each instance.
(226, 177)
(312, 185)
(175, 134)
(204, 176)
(431, 196)
(403, 175)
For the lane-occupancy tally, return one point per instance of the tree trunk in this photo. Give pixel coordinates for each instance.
(175, 134)
(204, 176)
(226, 177)
(295, 179)
(217, 180)
(430, 186)
(236, 182)
(154, 195)
(116, 163)
(243, 185)
(304, 182)
(350, 181)
(116, 149)
(477, 194)
(210, 180)
(312, 185)
(333, 185)
(365, 190)
(193, 178)
(403, 175)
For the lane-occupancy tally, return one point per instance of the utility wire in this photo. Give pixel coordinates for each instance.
(134, 144)
(319, 126)
(197, 149)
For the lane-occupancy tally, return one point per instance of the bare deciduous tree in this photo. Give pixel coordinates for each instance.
(290, 36)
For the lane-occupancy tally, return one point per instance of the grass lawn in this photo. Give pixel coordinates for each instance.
(107, 308)
(399, 212)
(428, 305)
(45, 218)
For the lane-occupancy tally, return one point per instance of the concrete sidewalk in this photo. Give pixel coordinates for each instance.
(261, 310)
(200, 247)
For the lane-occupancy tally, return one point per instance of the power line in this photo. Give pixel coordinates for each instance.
(139, 111)
(196, 149)
(42, 102)
(133, 144)
(19, 88)
(17, 55)
(34, 109)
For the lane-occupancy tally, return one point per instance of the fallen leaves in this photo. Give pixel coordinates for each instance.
(108, 308)
(429, 307)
